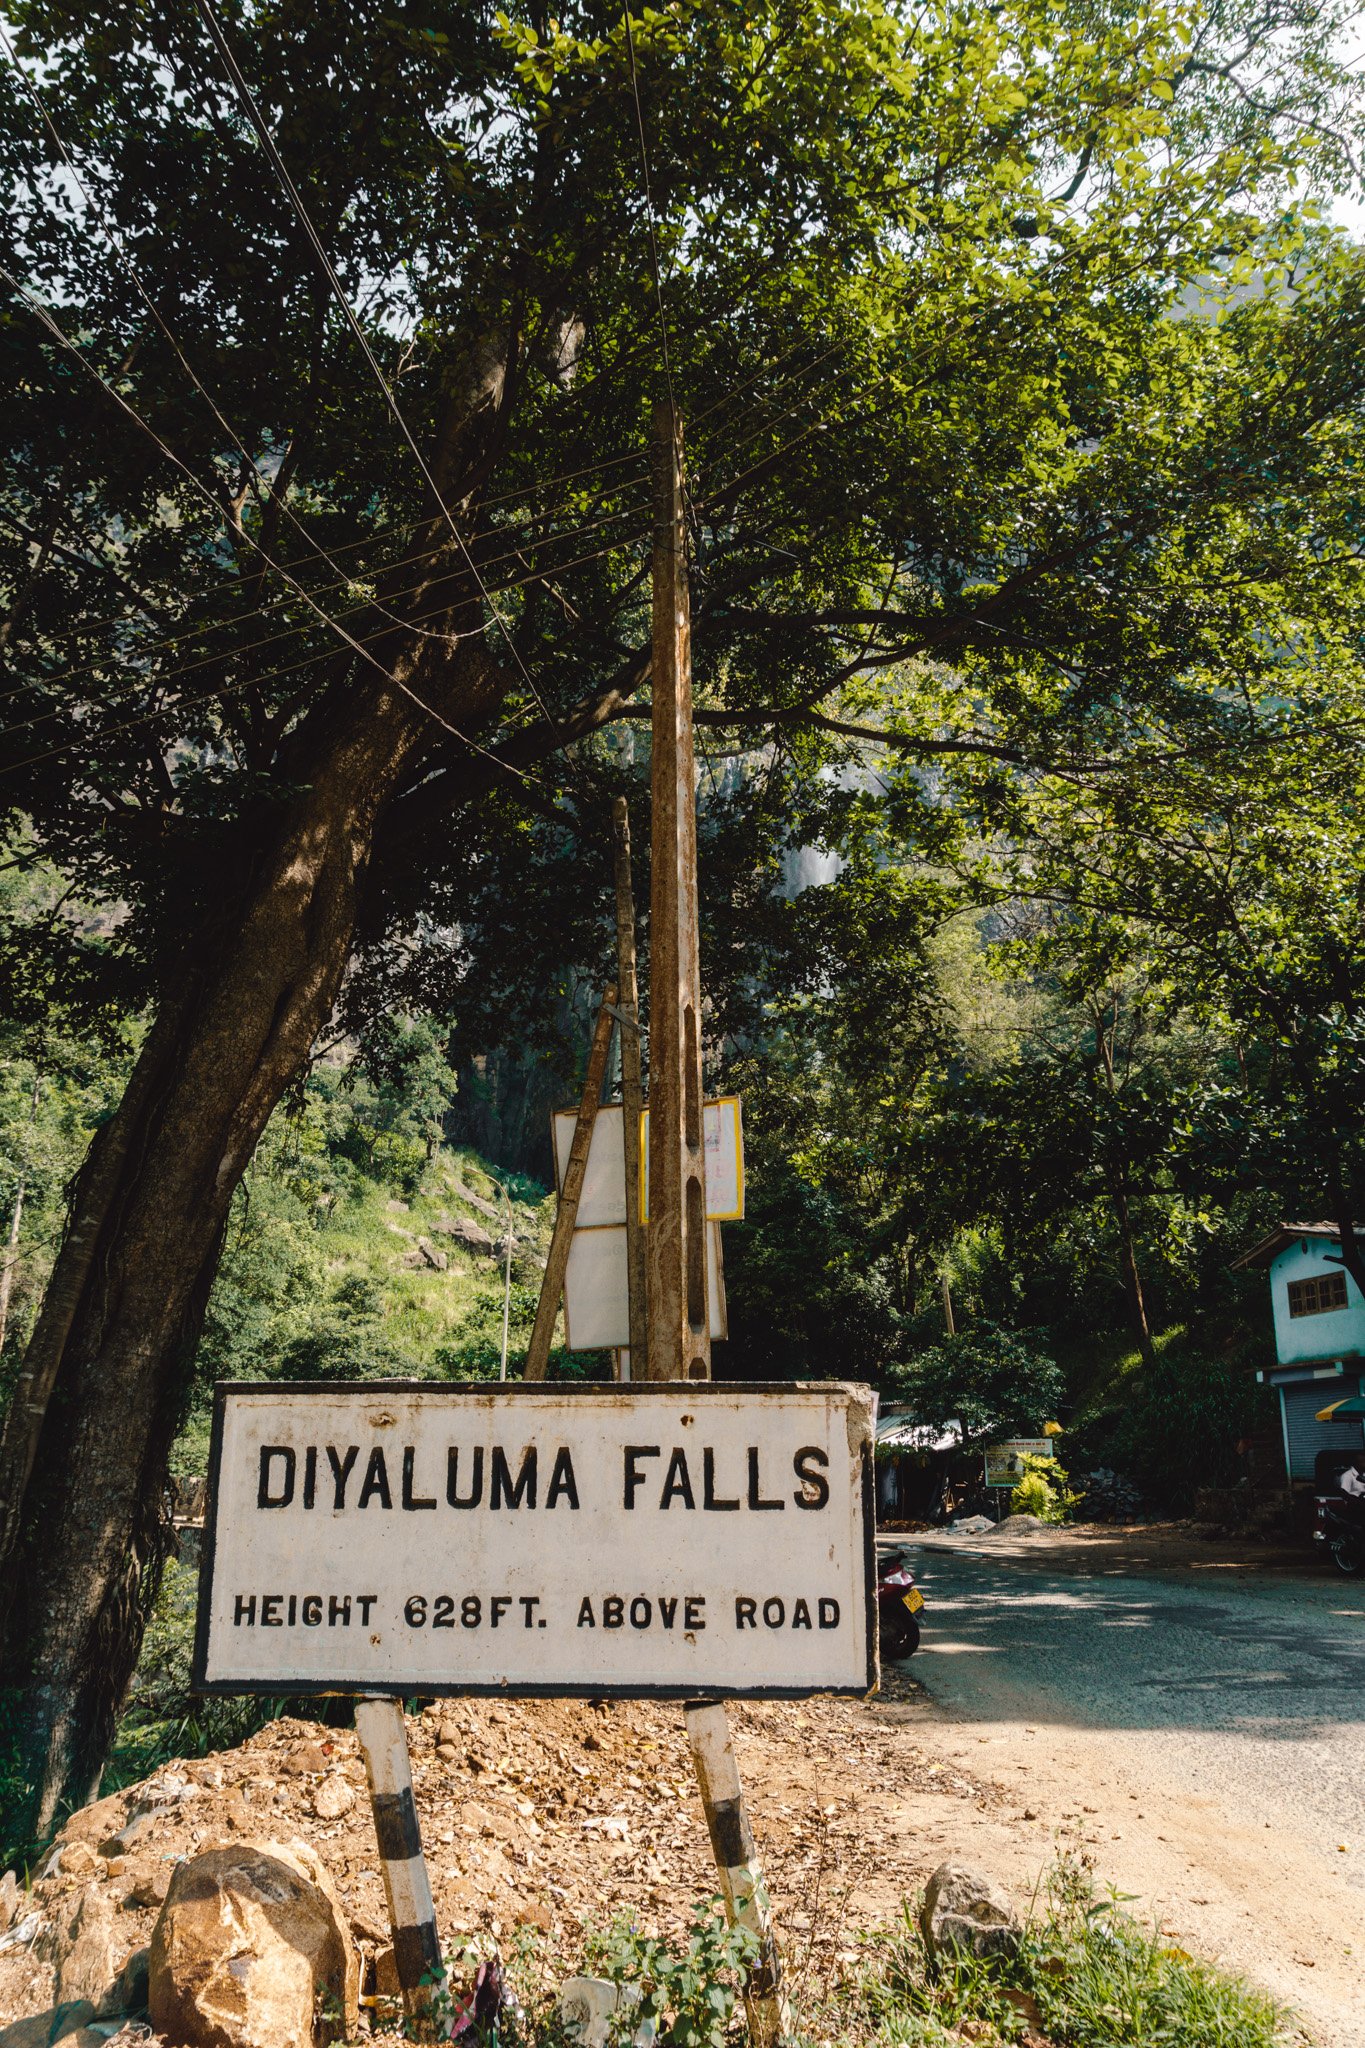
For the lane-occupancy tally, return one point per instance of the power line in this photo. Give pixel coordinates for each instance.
(262, 612)
(277, 164)
(649, 211)
(42, 314)
(275, 675)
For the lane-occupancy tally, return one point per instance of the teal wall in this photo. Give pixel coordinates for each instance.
(1301, 1339)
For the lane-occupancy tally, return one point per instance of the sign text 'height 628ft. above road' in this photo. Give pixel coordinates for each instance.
(680, 1539)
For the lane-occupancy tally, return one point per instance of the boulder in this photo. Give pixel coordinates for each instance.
(252, 1951)
(966, 1910)
(89, 1948)
(65, 2023)
(333, 1797)
(11, 1898)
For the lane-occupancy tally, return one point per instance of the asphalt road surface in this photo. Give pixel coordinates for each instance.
(1199, 1727)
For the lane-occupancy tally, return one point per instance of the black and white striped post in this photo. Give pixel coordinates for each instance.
(736, 1854)
(417, 1960)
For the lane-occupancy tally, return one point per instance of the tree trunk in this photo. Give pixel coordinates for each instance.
(83, 1460)
(1117, 1176)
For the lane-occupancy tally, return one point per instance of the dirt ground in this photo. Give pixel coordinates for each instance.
(553, 1816)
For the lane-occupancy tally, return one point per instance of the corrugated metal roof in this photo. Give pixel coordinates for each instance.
(1284, 1234)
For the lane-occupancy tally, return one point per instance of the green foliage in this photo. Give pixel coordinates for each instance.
(1043, 1491)
(996, 1382)
(1180, 1421)
(1087, 1976)
(692, 1994)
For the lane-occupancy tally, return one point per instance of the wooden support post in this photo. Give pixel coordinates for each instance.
(552, 1286)
(679, 1314)
(632, 1093)
(412, 1916)
(732, 1843)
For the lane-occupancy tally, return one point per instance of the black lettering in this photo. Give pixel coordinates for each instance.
(264, 1497)
(800, 1614)
(692, 1611)
(585, 1613)
(412, 1500)
(503, 1488)
(339, 1610)
(829, 1614)
(774, 1613)
(312, 1611)
(814, 1486)
(270, 1607)
(708, 1486)
(613, 1611)
(310, 1476)
(498, 1606)
(376, 1481)
(341, 1472)
(635, 1478)
(641, 1612)
(453, 1478)
(529, 1601)
(677, 1482)
(245, 1610)
(746, 1612)
(562, 1479)
(293, 1608)
(365, 1601)
(667, 1610)
(756, 1499)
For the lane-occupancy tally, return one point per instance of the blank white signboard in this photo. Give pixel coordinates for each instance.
(596, 1309)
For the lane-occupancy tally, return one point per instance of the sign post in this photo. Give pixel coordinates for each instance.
(556, 1264)
(417, 1961)
(632, 1094)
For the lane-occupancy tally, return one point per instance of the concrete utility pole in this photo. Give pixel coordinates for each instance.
(632, 1096)
(679, 1313)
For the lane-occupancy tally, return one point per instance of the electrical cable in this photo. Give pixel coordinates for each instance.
(47, 320)
(230, 654)
(649, 213)
(277, 164)
(136, 653)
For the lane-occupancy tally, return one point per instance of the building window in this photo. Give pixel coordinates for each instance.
(1316, 1297)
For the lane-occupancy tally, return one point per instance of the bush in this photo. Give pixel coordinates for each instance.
(1043, 1491)
(691, 1994)
(1086, 1976)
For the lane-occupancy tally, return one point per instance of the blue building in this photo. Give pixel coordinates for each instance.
(1319, 1339)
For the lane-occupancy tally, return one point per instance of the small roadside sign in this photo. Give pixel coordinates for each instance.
(1005, 1462)
(680, 1540)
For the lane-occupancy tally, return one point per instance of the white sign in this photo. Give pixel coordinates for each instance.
(723, 1140)
(603, 1199)
(596, 1301)
(684, 1539)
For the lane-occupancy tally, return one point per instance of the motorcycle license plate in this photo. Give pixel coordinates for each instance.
(914, 1600)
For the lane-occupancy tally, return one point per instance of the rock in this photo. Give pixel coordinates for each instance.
(386, 1982)
(436, 1260)
(129, 1993)
(11, 1897)
(249, 1939)
(964, 1909)
(448, 1752)
(149, 1887)
(89, 1950)
(61, 2023)
(332, 1798)
(133, 1831)
(471, 1236)
(398, 1208)
(78, 1859)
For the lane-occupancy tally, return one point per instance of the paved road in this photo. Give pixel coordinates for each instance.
(1200, 1730)
(1246, 1686)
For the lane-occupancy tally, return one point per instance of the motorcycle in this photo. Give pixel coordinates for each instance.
(899, 1604)
(1339, 1524)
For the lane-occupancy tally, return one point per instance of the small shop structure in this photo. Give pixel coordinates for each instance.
(1319, 1341)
